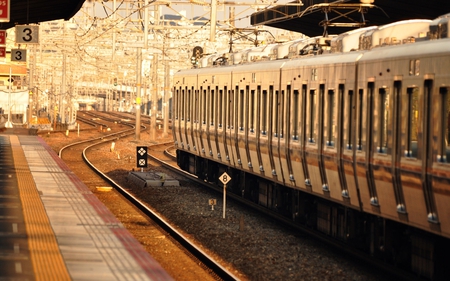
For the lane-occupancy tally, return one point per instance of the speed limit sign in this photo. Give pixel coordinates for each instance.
(27, 34)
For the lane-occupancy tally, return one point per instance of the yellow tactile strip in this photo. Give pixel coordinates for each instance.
(46, 258)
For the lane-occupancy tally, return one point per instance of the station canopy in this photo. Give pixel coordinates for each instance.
(321, 17)
(35, 11)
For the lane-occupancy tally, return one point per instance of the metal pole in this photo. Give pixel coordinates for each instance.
(224, 199)
(212, 36)
(138, 93)
(166, 98)
(9, 123)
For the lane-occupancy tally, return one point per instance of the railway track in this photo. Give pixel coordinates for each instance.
(71, 155)
(169, 161)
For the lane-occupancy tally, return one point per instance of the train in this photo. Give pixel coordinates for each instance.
(347, 134)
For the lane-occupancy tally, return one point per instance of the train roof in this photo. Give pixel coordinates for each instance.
(35, 11)
(308, 18)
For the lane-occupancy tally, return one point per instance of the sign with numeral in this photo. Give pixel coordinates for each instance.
(27, 34)
(225, 178)
(2, 52)
(141, 156)
(4, 10)
(2, 37)
(18, 55)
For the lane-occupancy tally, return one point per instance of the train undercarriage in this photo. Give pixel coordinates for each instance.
(407, 248)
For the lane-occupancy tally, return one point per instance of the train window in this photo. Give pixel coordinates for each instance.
(231, 109)
(414, 67)
(360, 119)
(444, 146)
(295, 114)
(275, 115)
(203, 107)
(212, 107)
(384, 110)
(412, 122)
(241, 109)
(182, 103)
(331, 119)
(264, 112)
(220, 109)
(282, 114)
(314, 74)
(196, 107)
(188, 105)
(175, 104)
(252, 111)
(349, 118)
(312, 116)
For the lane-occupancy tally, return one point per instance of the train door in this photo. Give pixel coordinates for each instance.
(189, 122)
(417, 158)
(242, 119)
(221, 144)
(212, 121)
(330, 144)
(363, 147)
(294, 147)
(322, 114)
(440, 175)
(304, 134)
(203, 145)
(347, 113)
(313, 126)
(277, 136)
(384, 138)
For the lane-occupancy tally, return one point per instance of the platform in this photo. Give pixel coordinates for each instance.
(53, 228)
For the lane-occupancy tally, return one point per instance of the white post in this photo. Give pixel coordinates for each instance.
(224, 199)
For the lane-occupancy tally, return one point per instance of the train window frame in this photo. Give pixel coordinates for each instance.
(212, 106)
(444, 137)
(175, 104)
(188, 105)
(182, 103)
(231, 108)
(220, 108)
(331, 102)
(275, 106)
(203, 105)
(350, 132)
(312, 109)
(264, 100)
(383, 120)
(295, 115)
(196, 108)
(252, 111)
(241, 108)
(412, 103)
(360, 118)
(282, 112)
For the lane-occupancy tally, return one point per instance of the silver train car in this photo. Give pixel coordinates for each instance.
(348, 135)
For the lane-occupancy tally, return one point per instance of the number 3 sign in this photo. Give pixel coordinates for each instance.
(27, 34)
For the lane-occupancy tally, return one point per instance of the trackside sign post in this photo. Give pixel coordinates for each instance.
(224, 178)
(141, 157)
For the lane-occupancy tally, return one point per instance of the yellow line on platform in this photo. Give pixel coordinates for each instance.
(46, 258)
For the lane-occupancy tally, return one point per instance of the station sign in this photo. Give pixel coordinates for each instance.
(27, 34)
(5, 10)
(141, 156)
(2, 52)
(19, 55)
(2, 37)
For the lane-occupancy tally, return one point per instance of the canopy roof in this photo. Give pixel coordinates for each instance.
(340, 16)
(35, 11)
